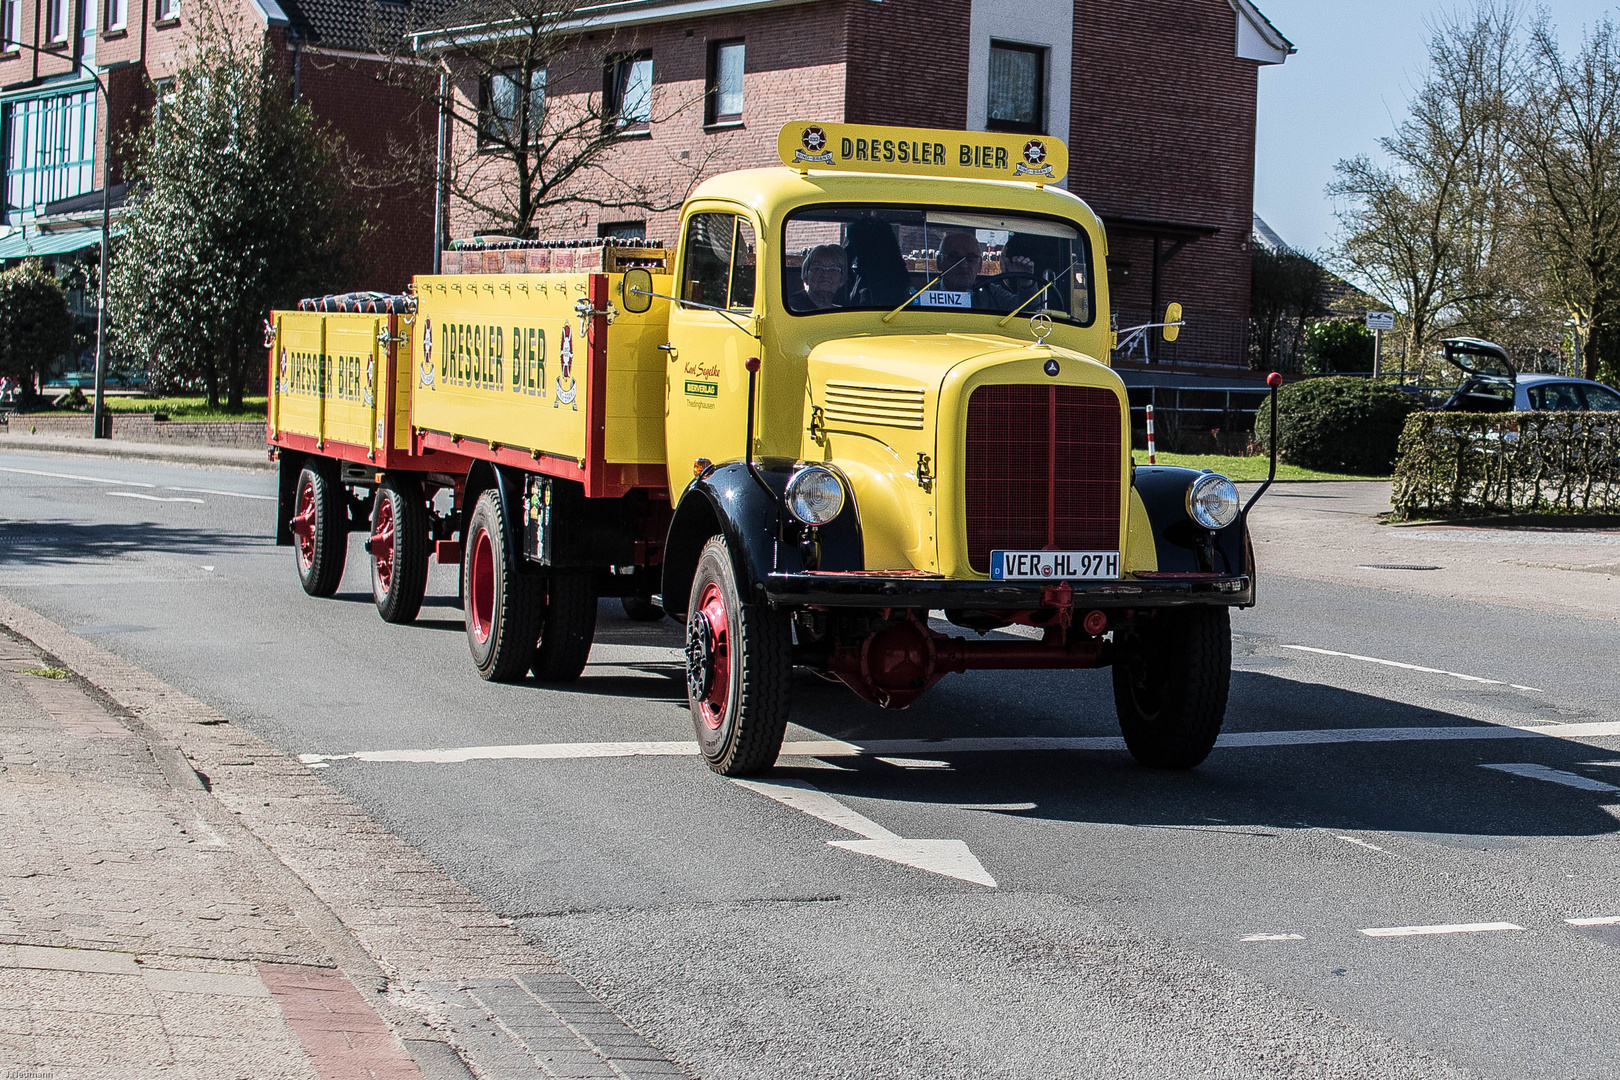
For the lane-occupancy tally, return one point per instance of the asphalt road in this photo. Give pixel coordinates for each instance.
(1208, 923)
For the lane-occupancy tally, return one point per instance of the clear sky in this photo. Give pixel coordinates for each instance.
(1347, 86)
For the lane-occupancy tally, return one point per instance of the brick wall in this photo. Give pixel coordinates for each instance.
(141, 428)
(908, 62)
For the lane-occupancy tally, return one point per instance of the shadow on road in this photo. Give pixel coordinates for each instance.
(59, 543)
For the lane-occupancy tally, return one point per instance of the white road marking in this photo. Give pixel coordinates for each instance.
(948, 858)
(1272, 937)
(1601, 920)
(1359, 842)
(1411, 667)
(838, 748)
(214, 491)
(914, 763)
(998, 808)
(151, 498)
(75, 476)
(1443, 928)
(1553, 776)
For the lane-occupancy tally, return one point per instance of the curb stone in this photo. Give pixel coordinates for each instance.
(437, 965)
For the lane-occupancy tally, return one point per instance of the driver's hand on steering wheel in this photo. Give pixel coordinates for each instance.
(1019, 264)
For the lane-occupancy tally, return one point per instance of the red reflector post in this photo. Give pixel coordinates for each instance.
(1096, 622)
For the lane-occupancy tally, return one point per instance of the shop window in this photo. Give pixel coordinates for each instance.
(724, 100)
(1017, 88)
(627, 92)
(50, 150)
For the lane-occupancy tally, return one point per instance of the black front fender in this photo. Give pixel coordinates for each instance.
(1182, 544)
(762, 536)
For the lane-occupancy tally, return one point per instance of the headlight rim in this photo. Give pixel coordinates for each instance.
(1195, 509)
(808, 468)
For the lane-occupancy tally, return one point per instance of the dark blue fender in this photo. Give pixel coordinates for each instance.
(763, 537)
(508, 484)
(1183, 545)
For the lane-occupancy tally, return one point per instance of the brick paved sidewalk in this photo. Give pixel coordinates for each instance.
(182, 900)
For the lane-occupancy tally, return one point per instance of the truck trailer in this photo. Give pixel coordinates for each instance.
(866, 386)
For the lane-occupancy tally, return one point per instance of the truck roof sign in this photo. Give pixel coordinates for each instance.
(976, 155)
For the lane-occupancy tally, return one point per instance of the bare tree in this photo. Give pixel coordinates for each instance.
(1426, 232)
(538, 107)
(1567, 143)
(1286, 290)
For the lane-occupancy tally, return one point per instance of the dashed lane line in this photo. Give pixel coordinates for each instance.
(216, 491)
(1272, 937)
(1443, 928)
(1601, 920)
(1359, 843)
(935, 748)
(153, 498)
(1411, 667)
(76, 476)
(1552, 776)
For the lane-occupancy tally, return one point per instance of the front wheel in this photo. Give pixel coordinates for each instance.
(739, 669)
(1170, 685)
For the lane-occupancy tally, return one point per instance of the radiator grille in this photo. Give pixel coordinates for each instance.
(872, 403)
(1043, 470)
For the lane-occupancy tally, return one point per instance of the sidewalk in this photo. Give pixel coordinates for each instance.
(184, 901)
(202, 457)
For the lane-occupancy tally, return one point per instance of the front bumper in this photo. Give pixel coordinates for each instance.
(877, 590)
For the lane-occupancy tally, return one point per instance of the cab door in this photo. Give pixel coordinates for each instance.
(712, 333)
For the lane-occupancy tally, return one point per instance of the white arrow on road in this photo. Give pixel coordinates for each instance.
(950, 858)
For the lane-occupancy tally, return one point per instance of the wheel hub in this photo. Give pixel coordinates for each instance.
(382, 544)
(303, 524)
(708, 656)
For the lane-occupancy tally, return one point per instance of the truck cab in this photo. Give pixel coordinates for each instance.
(888, 429)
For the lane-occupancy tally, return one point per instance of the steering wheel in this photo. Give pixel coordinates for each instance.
(1015, 281)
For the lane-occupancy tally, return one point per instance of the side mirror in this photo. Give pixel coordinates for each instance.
(635, 291)
(1172, 316)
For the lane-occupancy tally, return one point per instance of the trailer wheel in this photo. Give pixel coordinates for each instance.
(1170, 686)
(739, 669)
(637, 609)
(399, 549)
(567, 627)
(320, 530)
(502, 603)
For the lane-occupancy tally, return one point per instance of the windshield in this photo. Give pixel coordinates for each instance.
(876, 258)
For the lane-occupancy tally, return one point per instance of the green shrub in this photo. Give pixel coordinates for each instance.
(1337, 424)
(36, 325)
(1339, 345)
(1506, 463)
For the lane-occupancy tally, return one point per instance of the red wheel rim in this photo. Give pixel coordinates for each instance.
(481, 586)
(712, 629)
(303, 524)
(382, 543)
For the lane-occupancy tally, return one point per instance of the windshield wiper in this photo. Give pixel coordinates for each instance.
(1014, 312)
(925, 288)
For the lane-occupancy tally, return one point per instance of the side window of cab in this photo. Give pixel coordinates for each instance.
(721, 261)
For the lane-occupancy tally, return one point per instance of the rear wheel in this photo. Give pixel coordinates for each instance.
(399, 549)
(567, 627)
(502, 604)
(320, 531)
(739, 669)
(1170, 686)
(638, 610)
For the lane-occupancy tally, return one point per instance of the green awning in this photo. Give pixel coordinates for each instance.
(21, 246)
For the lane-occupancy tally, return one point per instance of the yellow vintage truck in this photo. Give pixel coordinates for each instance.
(864, 387)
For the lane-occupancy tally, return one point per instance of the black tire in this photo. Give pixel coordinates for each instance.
(503, 604)
(399, 549)
(1170, 685)
(739, 728)
(320, 530)
(567, 627)
(638, 610)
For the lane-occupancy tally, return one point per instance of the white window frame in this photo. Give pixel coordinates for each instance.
(117, 14)
(10, 28)
(168, 10)
(56, 15)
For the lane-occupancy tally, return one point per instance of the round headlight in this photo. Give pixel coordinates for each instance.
(1212, 501)
(815, 495)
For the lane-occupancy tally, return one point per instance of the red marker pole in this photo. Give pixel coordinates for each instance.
(1153, 457)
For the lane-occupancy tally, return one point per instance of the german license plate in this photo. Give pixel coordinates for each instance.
(1056, 565)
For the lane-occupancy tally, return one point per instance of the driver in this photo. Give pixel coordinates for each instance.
(960, 258)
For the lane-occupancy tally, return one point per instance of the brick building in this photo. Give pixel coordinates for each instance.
(1156, 99)
(54, 121)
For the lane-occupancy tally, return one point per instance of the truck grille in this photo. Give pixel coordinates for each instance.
(1043, 469)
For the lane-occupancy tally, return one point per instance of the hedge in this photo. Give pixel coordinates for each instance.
(1339, 423)
(1508, 463)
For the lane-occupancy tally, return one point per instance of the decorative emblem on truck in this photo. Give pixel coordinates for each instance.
(427, 352)
(282, 387)
(566, 384)
(815, 146)
(1034, 163)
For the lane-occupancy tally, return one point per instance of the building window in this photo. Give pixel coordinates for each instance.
(10, 24)
(627, 92)
(168, 10)
(115, 14)
(50, 150)
(623, 230)
(724, 101)
(56, 20)
(502, 118)
(1017, 88)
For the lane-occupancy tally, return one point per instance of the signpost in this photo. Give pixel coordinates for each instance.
(1378, 322)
